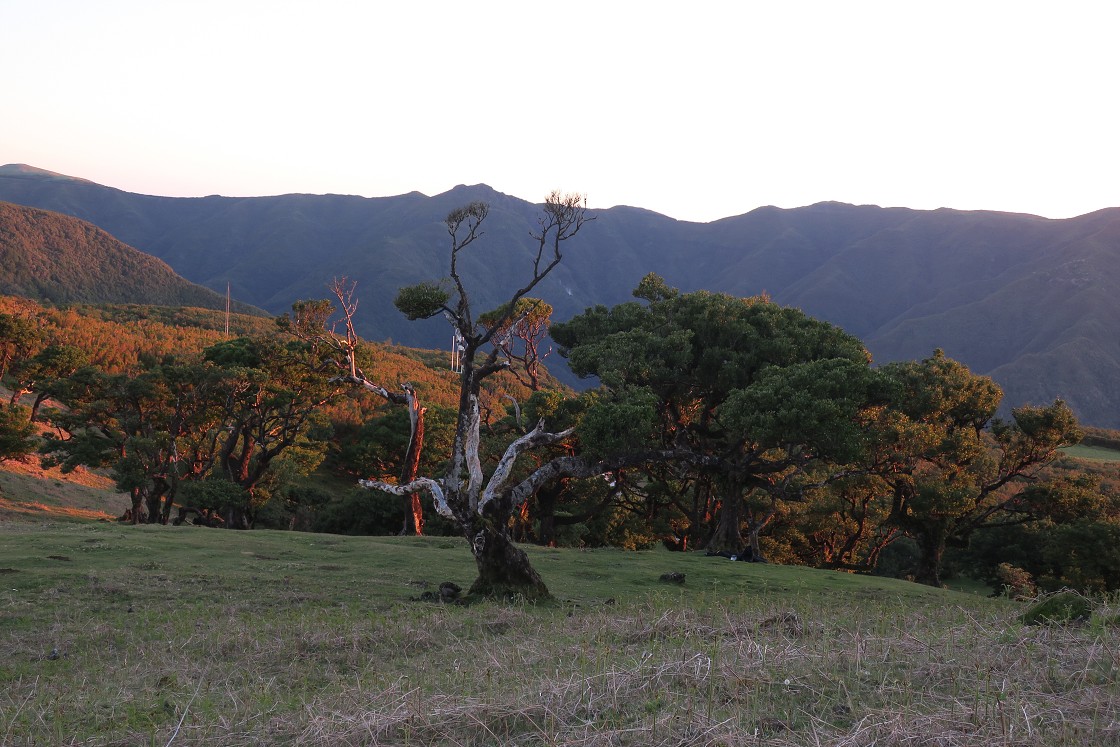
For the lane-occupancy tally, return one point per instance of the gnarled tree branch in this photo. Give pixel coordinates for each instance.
(533, 439)
(580, 466)
(420, 483)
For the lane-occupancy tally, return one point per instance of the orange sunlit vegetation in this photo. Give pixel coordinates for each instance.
(58, 512)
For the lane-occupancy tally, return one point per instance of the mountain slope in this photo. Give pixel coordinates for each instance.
(1030, 301)
(52, 257)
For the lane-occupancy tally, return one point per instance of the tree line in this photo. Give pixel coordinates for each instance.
(730, 425)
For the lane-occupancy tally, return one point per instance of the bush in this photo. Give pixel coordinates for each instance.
(1016, 583)
(213, 495)
(898, 559)
(1059, 609)
(17, 436)
(615, 526)
(1083, 555)
(1018, 546)
(360, 511)
(375, 512)
(295, 507)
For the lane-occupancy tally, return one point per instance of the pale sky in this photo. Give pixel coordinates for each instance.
(698, 110)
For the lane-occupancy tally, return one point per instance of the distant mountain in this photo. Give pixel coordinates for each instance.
(1035, 303)
(52, 257)
(22, 169)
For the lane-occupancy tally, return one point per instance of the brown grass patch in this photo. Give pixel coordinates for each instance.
(80, 476)
(56, 512)
(28, 491)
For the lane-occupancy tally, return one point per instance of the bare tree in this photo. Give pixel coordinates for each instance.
(481, 505)
(311, 320)
(529, 326)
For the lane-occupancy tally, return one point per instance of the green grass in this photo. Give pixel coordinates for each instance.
(118, 635)
(1094, 453)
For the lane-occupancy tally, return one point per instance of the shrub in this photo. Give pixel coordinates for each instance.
(1016, 583)
(1083, 555)
(17, 436)
(359, 511)
(1061, 608)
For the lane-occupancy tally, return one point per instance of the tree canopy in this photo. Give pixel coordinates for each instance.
(747, 391)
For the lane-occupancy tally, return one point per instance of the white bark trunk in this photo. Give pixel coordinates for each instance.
(471, 446)
(420, 483)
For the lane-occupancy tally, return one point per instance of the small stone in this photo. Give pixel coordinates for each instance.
(449, 591)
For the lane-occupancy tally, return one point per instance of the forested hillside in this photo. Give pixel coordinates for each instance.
(184, 414)
(1030, 301)
(117, 338)
(53, 257)
(124, 338)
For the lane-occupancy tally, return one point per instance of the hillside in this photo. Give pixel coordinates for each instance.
(127, 339)
(116, 338)
(1029, 301)
(53, 257)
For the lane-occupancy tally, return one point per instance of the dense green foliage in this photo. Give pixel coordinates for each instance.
(16, 432)
(947, 468)
(758, 392)
(785, 423)
(1071, 541)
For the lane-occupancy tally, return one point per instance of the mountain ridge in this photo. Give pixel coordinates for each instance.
(1026, 299)
(33, 172)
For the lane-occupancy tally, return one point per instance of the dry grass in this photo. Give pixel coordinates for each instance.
(115, 635)
(752, 677)
(27, 491)
(80, 476)
(42, 510)
(641, 674)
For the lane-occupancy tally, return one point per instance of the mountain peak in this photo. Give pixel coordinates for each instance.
(471, 189)
(23, 170)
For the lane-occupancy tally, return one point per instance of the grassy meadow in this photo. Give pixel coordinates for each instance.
(119, 635)
(1093, 453)
(151, 635)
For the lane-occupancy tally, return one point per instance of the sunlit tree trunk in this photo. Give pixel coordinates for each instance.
(412, 461)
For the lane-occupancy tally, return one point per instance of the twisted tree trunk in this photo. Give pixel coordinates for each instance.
(504, 570)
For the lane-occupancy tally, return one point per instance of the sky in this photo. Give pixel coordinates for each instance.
(698, 110)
